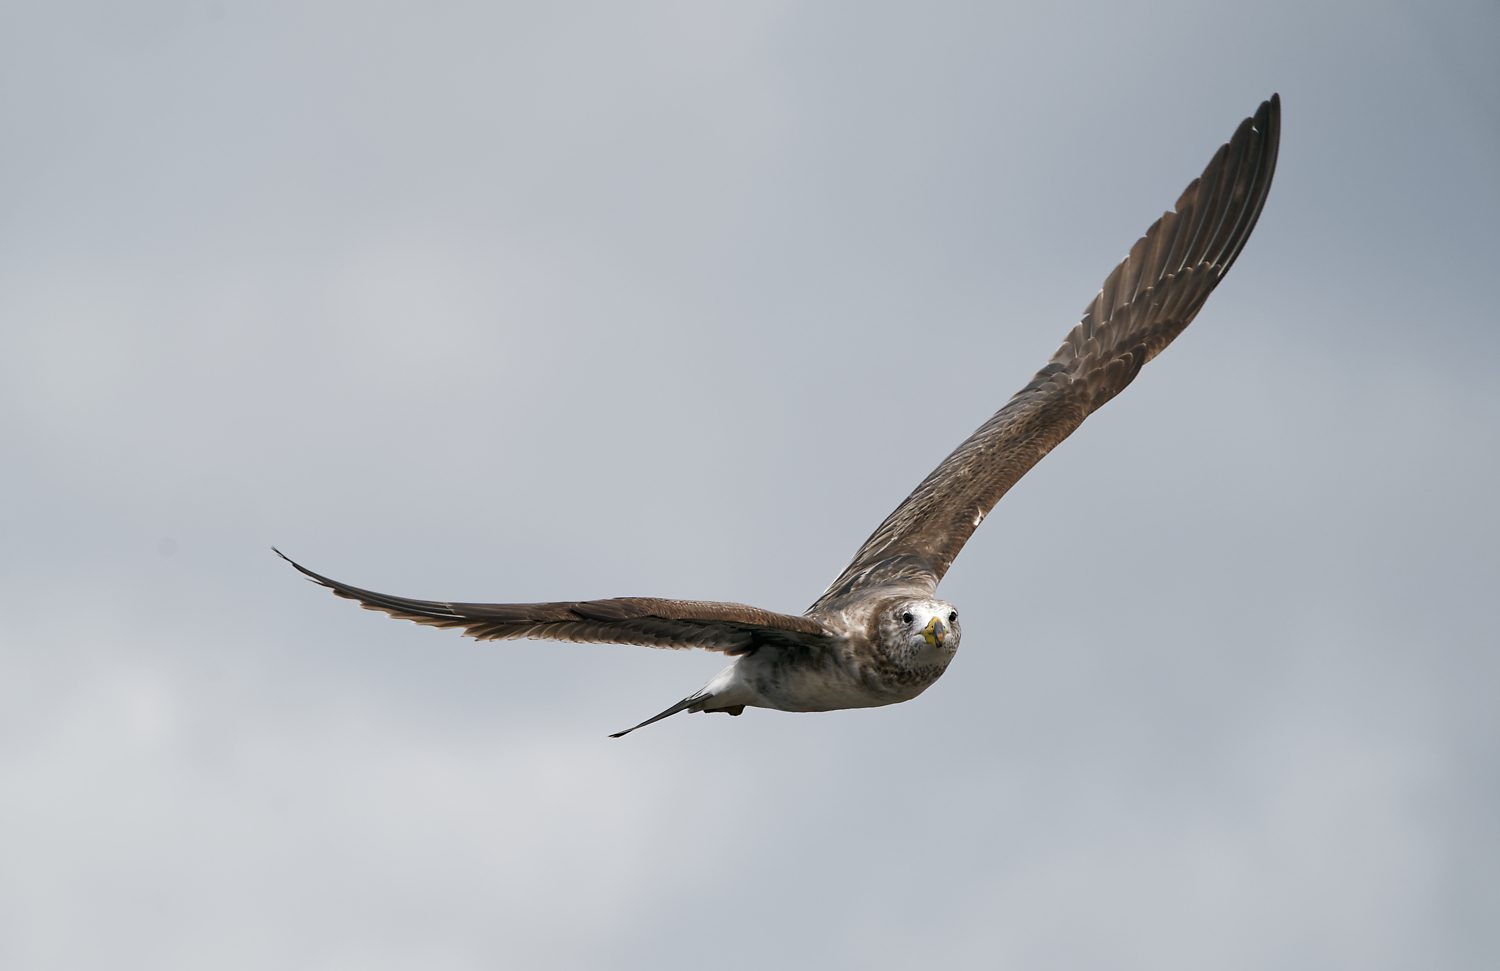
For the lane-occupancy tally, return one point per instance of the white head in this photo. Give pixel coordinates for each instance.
(922, 632)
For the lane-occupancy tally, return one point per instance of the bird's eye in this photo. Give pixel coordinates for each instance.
(952, 616)
(907, 618)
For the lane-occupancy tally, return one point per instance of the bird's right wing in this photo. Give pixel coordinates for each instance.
(1146, 302)
(728, 628)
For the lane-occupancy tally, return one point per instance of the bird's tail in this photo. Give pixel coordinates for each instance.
(685, 704)
(693, 702)
(724, 693)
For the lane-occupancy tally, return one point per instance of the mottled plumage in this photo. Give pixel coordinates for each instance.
(877, 635)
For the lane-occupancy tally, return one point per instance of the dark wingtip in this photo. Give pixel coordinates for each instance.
(317, 578)
(1268, 115)
(298, 566)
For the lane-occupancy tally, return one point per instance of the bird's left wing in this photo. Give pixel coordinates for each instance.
(728, 628)
(1148, 300)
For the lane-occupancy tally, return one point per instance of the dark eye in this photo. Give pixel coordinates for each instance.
(907, 618)
(952, 616)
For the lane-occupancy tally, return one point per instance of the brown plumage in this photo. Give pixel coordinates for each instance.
(728, 628)
(878, 635)
(1149, 298)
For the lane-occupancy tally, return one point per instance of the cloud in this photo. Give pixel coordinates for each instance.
(512, 304)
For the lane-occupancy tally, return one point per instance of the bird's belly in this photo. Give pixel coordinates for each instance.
(829, 690)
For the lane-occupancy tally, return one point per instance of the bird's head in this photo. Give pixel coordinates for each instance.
(920, 632)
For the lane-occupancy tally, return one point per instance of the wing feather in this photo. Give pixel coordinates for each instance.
(1145, 302)
(729, 628)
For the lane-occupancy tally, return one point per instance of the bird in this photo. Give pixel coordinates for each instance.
(879, 634)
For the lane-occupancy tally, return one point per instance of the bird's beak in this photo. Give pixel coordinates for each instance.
(935, 631)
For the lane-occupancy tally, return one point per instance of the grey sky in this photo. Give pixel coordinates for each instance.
(465, 301)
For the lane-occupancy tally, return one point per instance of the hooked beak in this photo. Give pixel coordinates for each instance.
(935, 631)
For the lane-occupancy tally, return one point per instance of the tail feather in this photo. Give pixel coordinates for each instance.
(693, 702)
(724, 693)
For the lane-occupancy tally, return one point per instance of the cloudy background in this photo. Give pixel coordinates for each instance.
(482, 302)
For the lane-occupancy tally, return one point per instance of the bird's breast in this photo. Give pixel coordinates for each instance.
(832, 682)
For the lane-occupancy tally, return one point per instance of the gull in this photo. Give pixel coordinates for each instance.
(879, 634)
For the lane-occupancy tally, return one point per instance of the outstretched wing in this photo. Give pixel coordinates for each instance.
(725, 627)
(1145, 302)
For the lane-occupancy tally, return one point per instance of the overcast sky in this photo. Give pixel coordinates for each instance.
(485, 302)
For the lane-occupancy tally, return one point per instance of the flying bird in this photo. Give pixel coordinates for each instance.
(879, 634)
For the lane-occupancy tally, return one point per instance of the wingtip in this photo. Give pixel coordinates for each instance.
(297, 566)
(1270, 110)
(321, 581)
